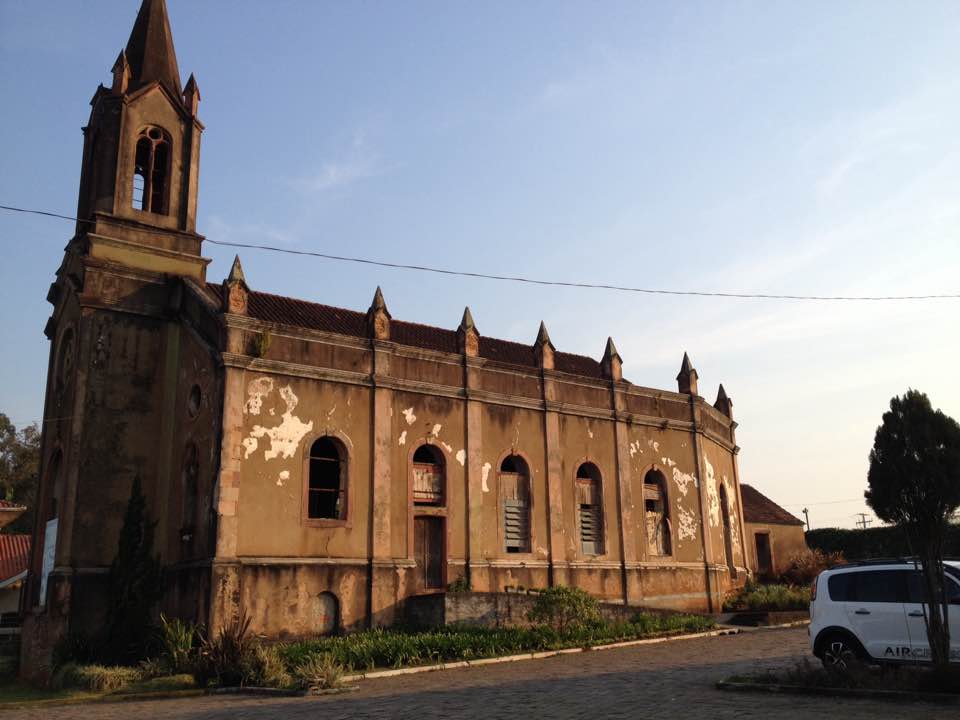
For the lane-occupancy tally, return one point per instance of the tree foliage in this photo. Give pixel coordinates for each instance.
(19, 467)
(135, 583)
(914, 483)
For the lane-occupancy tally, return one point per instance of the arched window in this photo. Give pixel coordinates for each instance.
(428, 476)
(515, 502)
(326, 491)
(63, 372)
(151, 170)
(590, 509)
(657, 513)
(190, 473)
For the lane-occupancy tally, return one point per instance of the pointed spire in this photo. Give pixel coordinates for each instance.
(611, 350)
(121, 74)
(235, 290)
(378, 302)
(191, 95)
(543, 348)
(150, 49)
(612, 364)
(236, 271)
(723, 403)
(467, 322)
(378, 317)
(468, 338)
(543, 337)
(687, 377)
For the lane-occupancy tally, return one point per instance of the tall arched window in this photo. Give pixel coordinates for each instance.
(428, 476)
(151, 171)
(657, 513)
(515, 503)
(326, 488)
(590, 509)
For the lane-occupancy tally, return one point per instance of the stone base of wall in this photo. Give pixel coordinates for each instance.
(494, 609)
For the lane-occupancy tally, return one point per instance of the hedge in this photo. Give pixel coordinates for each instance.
(876, 542)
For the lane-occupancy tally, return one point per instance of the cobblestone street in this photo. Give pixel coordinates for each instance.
(655, 681)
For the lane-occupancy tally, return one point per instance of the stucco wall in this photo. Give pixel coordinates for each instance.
(785, 540)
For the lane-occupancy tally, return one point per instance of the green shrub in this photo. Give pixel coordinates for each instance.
(562, 607)
(391, 648)
(264, 667)
(96, 678)
(757, 597)
(319, 672)
(226, 658)
(74, 647)
(178, 644)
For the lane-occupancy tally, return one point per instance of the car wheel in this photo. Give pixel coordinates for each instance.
(839, 653)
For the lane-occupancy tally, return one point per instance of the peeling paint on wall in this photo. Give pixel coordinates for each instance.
(403, 438)
(283, 477)
(484, 473)
(734, 521)
(256, 391)
(635, 448)
(687, 529)
(712, 495)
(668, 462)
(284, 438)
(409, 416)
(461, 457)
(448, 448)
(654, 444)
(436, 429)
(683, 480)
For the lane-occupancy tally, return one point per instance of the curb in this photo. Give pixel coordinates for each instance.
(120, 697)
(760, 628)
(890, 695)
(377, 674)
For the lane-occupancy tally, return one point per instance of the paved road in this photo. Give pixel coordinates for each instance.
(670, 680)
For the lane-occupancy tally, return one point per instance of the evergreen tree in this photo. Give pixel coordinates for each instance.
(914, 481)
(135, 583)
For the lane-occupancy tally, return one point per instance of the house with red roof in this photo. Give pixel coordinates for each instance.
(14, 561)
(773, 534)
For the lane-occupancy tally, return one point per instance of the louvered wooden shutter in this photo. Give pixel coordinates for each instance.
(515, 497)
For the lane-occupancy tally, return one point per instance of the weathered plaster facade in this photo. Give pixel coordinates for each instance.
(216, 396)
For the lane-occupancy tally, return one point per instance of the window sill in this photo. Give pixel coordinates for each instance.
(326, 523)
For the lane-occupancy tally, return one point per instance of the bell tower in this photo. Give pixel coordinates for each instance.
(141, 158)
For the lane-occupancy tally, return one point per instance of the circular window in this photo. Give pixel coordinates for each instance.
(193, 402)
(155, 134)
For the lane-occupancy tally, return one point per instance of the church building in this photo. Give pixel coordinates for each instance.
(314, 466)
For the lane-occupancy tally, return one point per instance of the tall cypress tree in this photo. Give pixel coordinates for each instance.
(135, 583)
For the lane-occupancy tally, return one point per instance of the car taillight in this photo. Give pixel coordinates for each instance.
(813, 590)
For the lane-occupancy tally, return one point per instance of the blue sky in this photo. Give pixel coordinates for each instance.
(764, 147)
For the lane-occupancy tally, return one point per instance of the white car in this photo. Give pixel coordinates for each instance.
(873, 611)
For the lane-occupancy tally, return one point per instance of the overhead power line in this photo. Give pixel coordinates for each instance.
(532, 281)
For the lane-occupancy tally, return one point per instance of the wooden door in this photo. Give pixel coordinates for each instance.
(764, 559)
(428, 552)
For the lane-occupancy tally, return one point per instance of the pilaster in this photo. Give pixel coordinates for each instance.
(556, 541)
(382, 577)
(631, 580)
(710, 584)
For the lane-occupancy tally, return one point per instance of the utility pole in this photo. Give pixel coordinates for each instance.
(806, 514)
(863, 522)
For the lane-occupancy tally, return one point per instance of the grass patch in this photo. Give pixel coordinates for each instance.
(754, 596)
(392, 648)
(904, 678)
(13, 691)
(170, 683)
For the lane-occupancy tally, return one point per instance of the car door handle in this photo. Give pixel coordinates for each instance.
(861, 611)
(915, 613)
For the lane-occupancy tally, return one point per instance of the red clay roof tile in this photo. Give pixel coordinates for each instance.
(14, 555)
(758, 508)
(314, 316)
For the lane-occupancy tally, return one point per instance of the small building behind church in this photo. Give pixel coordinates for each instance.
(315, 466)
(773, 534)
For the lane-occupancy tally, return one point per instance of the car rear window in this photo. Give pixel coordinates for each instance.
(917, 589)
(877, 586)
